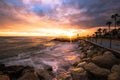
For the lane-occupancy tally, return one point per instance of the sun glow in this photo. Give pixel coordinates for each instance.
(70, 34)
(55, 32)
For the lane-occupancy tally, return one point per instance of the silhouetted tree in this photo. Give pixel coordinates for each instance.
(96, 35)
(114, 16)
(99, 32)
(104, 31)
(109, 24)
(118, 23)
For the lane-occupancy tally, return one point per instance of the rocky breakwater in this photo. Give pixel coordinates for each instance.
(24, 73)
(96, 64)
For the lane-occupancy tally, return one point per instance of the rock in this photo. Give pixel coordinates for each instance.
(48, 68)
(28, 69)
(80, 48)
(90, 53)
(61, 70)
(64, 76)
(97, 71)
(79, 74)
(114, 76)
(4, 77)
(82, 64)
(86, 59)
(116, 68)
(43, 74)
(2, 66)
(29, 76)
(106, 61)
(107, 53)
(14, 71)
(1, 72)
(91, 47)
(75, 64)
(83, 55)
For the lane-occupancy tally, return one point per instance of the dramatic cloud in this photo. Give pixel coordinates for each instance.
(27, 15)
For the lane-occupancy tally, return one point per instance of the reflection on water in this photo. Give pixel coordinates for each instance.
(38, 52)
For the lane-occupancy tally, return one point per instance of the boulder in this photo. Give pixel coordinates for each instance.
(81, 64)
(79, 74)
(29, 76)
(86, 59)
(2, 66)
(48, 67)
(107, 60)
(114, 76)
(90, 53)
(116, 68)
(4, 77)
(43, 74)
(75, 64)
(1, 72)
(97, 71)
(28, 69)
(83, 55)
(14, 71)
(64, 76)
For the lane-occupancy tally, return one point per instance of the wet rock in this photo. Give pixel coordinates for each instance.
(2, 66)
(48, 68)
(75, 64)
(43, 74)
(1, 72)
(107, 53)
(116, 68)
(97, 71)
(28, 69)
(60, 71)
(79, 74)
(106, 61)
(86, 59)
(14, 71)
(80, 48)
(29, 76)
(82, 64)
(83, 55)
(90, 53)
(114, 76)
(64, 76)
(4, 77)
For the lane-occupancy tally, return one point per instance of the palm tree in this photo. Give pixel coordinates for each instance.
(114, 16)
(96, 35)
(104, 31)
(99, 31)
(109, 24)
(118, 23)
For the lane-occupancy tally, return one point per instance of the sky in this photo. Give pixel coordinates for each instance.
(54, 17)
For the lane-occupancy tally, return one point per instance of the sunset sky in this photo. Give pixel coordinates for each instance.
(54, 17)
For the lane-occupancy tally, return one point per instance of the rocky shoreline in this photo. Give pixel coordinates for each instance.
(95, 63)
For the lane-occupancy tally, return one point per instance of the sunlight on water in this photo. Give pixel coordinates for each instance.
(41, 53)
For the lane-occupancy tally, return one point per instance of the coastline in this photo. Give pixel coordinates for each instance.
(95, 64)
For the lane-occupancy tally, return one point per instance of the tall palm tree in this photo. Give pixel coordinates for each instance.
(114, 16)
(109, 24)
(99, 31)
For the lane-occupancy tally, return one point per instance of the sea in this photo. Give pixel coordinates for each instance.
(38, 52)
